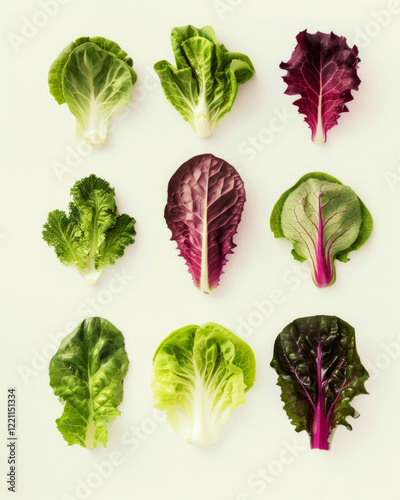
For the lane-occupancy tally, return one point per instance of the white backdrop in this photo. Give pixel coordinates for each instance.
(259, 455)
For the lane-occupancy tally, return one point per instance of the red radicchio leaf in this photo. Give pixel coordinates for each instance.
(205, 203)
(323, 70)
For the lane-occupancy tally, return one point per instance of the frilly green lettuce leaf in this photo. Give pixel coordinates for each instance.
(92, 235)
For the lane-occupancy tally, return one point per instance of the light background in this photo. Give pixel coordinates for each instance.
(41, 299)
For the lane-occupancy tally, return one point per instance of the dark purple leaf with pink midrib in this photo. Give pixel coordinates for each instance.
(320, 373)
(205, 193)
(323, 70)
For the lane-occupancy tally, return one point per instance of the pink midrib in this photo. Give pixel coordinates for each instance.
(323, 273)
(320, 428)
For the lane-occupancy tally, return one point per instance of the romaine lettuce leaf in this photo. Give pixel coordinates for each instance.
(204, 84)
(320, 372)
(323, 70)
(324, 220)
(86, 373)
(205, 203)
(200, 374)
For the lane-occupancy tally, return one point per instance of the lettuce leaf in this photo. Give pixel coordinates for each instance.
(94, 76)
(205, 203)
(92, 235)
(86, 373)
(323, 70)
(320, 373)
(200, 374)
(204, 84)
(324, 220)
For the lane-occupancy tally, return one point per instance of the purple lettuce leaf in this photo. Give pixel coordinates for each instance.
(205, 203)
(320, 372)
(323, 70)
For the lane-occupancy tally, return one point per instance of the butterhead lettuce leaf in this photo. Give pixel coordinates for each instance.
(94, 76)
(200, 374)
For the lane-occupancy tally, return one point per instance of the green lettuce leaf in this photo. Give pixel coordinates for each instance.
(204, 84)
(200, 374)
(86, 373)
(92, 235)
(94, 76)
